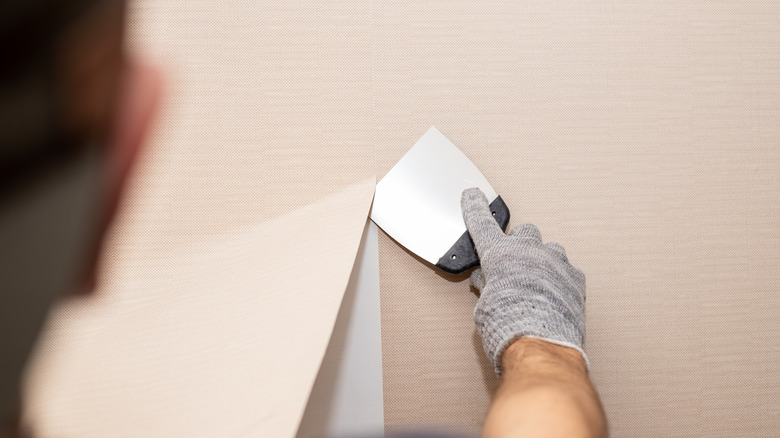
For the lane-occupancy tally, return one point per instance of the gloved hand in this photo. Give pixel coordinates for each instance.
(527, 288)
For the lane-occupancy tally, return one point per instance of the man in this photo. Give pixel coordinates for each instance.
(73, 110)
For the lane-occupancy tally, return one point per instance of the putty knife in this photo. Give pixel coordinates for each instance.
(418, 203)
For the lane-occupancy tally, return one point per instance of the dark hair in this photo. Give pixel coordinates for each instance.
(30, 122)
(50, 193)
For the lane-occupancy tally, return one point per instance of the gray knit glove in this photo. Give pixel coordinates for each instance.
(528, 288)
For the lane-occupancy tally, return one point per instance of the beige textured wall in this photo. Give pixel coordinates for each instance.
(267, 108)
(644, 136)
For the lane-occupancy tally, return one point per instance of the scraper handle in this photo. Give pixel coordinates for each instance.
(463, 255)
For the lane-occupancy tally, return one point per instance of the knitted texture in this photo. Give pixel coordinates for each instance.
(527, 288)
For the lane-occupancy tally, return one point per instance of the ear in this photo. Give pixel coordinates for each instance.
(139, 95)
(138, 100)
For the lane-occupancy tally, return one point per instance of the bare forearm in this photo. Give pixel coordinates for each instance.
(545, 392)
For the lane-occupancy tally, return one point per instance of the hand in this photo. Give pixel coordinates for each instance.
(527, 288)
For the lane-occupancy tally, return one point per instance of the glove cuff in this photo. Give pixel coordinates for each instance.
(503, 317)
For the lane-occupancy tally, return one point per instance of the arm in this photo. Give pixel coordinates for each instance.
(531, 318)
(545, 391)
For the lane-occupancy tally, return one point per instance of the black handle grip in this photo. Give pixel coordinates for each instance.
(463, 256)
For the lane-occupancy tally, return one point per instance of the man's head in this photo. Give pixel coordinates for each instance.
(73, 109)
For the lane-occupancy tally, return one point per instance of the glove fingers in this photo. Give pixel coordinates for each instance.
(482, 226)
(478, 279)
(527, 231)
(558, 249)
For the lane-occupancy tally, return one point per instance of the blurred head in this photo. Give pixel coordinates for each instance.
(73, 110)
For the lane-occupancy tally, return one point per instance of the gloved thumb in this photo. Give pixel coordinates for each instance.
(478, 279)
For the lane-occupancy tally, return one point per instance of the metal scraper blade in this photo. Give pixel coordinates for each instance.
(418, 203)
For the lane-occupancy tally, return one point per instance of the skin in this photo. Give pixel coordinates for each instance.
(140, 93)
(545, 392)
(110, 96)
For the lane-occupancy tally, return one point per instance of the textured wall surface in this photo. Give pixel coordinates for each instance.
(643, 136)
